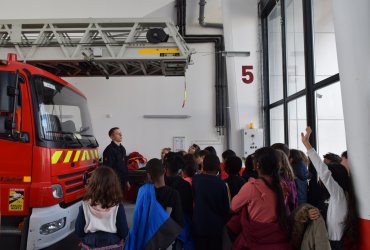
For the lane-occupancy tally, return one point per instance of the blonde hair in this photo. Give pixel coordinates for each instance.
(285, 169)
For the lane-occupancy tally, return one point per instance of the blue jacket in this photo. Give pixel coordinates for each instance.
(301, 173)
(152, 227)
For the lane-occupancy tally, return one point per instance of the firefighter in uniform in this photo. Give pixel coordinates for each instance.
(115, 157)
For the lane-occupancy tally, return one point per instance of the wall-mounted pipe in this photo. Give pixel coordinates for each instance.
(202, 6)
(222, 104)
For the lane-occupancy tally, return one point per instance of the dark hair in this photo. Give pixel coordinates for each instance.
(233, 165)
(211, 149)
(340, 175)
(283, 147)
(211, 163)
(268, 161)
(111, 131)
(173, 164)
(202, 153)
(181, 153)
(155, 168)
(344, 154)
(195, 147)
(296, 156)
(228, 153)
(333, 158)
(249, 162)
(191, 166)
(249, 170)
(169, 155)
(104, 188)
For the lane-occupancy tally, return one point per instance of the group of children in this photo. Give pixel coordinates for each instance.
(194, 201)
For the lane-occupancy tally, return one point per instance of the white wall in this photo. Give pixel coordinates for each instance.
(212, 14)
(127, 99)
(36, 9)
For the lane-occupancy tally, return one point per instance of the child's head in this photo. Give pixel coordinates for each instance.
(296, 156)
(283, 147)
(267, 161)
(331, 158)
(164, 151)
(174, 164)
(194, 148)
(249, 163)
(285, 170)
(211, 163)
(104, 188)
(211, 150)
(233, 165)
(190, 167)
(154, 169)
(227, 153)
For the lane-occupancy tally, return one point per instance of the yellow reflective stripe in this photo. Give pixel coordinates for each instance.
(96, 154)
(56, 156)
(92, 154)
(85, 155)
(68, 156)
(26, 178)
(77, 155)
(159, 51)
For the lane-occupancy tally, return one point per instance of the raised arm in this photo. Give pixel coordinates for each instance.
(322, 169)
(306, 138)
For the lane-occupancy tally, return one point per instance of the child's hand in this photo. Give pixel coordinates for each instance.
(313, 213)
(306, 138)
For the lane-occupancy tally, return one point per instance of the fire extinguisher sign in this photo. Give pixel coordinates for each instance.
(247, 74)
(16, 199)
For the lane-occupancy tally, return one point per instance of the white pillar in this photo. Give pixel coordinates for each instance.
(241, 34)
(352, 33)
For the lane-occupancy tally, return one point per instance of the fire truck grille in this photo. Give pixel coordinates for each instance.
(70, 190)
(75, 181)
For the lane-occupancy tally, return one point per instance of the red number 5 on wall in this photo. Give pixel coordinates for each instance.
(247, 74)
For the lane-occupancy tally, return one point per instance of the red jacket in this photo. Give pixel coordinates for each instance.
(257, 236)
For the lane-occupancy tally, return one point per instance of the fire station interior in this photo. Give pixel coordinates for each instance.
(239, 75)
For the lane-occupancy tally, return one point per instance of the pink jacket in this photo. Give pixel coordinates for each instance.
(259, 199)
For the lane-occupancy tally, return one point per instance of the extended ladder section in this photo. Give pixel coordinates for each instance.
(97, 47)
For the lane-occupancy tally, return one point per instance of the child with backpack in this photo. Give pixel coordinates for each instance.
(101, 222)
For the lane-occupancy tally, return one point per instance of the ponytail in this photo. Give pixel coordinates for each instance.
(275, 186)
(269, 162)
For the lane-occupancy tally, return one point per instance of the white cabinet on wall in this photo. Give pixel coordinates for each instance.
(252, 140)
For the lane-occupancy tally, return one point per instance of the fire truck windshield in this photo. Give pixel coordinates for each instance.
(63, 116)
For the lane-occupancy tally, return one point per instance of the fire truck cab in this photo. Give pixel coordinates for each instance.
(48, 152)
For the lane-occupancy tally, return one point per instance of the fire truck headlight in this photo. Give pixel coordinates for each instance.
(57, 191)
(53, 226)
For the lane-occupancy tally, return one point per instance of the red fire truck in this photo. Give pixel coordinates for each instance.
(48, 152)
